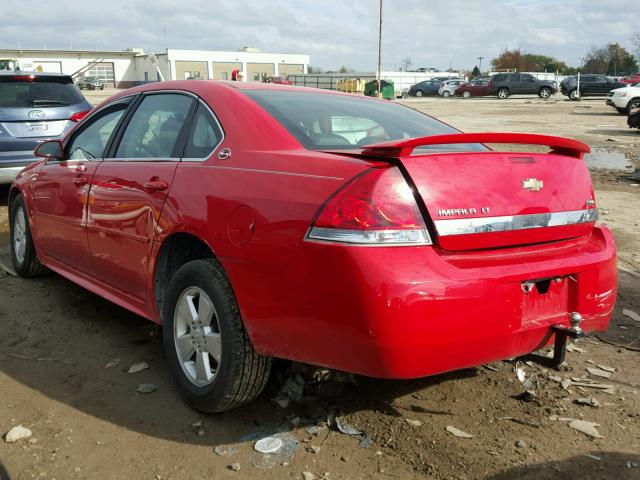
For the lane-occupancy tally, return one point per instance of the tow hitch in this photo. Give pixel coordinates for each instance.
(560, 346)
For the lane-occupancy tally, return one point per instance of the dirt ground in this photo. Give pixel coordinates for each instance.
(57, 342)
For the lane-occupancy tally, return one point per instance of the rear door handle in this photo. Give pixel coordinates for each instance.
(81, 168)
(156, 185)
(79, 181)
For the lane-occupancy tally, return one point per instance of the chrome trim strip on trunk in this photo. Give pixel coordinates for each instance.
(463, 226)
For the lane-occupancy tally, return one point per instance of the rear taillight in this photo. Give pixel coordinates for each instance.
(377, 208)
(76, 117)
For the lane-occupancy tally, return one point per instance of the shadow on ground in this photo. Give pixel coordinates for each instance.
(610, 466)
(57, 338)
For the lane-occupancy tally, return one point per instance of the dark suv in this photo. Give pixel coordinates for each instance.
(34, 106)
(591, 85)
(505, 84)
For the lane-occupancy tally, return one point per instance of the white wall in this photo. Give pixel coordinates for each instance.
(70, 62)
(211, 56)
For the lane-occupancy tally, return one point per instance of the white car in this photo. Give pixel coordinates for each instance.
(625, 99)
(448, 87)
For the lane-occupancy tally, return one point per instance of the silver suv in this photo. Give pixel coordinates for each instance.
(34, 107)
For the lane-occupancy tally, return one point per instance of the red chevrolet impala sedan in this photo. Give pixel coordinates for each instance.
(256, 221)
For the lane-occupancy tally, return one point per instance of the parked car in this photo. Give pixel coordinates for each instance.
(448, 87)
(278, 80)
(90, 83)
(590, 86)
(478, 87)
(331, 229)
(427, 87)
(624, 99)
(34, 106)
(506, 84)
(631, 79)
(634, 118)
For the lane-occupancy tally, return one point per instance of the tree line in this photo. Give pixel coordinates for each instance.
(611, 59)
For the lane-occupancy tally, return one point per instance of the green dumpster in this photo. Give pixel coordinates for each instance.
(388, 92)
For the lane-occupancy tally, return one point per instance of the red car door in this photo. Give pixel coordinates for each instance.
(129, 189)
(61, 190)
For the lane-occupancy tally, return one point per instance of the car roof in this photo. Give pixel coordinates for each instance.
(14, 73)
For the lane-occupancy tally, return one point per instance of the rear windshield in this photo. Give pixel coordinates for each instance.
(26, 92)
(323, 121)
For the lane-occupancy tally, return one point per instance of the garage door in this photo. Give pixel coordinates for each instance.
(104, 71)
(186, 69)
(222, 70)
(53, 67)
(257, 71)
(285, 69)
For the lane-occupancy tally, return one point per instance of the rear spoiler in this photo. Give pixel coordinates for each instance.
(403, 148)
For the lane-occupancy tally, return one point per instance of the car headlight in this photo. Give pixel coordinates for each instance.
(622, 94)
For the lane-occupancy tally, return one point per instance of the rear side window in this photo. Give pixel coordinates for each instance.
(155, 126)
(205, 135)
(499, 77)
(28, 91)
(341, 122)
(92, 139)
(588, 80)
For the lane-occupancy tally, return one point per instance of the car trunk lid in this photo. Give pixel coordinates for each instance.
(489, 199)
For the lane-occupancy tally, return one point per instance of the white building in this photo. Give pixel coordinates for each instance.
(127, 68)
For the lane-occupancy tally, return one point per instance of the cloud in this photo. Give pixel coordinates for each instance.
(431, 33)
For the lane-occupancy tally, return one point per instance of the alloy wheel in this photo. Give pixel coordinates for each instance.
(419, 93)
(20, 235)
(196, 335)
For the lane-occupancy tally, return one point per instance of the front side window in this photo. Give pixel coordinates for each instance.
(587, 80)
(92, 139)
(325, 121)
(205, 135)
(155, 126)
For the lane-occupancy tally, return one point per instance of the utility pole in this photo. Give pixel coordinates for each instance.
(165, 29)
(480, 64)
(378, 73)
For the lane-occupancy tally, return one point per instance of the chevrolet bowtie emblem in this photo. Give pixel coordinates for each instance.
(532, 184)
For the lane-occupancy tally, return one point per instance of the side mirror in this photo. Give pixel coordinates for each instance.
(51, 150)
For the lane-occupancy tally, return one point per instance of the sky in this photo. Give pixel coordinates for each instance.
(431, 33)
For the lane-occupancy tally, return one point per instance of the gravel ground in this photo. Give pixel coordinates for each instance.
(58, 342)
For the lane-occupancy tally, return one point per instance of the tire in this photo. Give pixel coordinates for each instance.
(545, 92)
(419, 93)
(466, 94)
(503, 93)
(240, 373)
(633, 103)
(622, 111)
(23, 252)
(446, 94)
(573, 94)
(102, 87)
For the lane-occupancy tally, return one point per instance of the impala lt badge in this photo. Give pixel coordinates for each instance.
(450, 212)
(532, 184)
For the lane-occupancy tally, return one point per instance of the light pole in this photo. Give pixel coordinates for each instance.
(165, 29)
(480, 64)
(379, 53)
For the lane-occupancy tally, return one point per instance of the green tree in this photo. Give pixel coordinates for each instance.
(529, 62)
(611, 59)
(476, 72)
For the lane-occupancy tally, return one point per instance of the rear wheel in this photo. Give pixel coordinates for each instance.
(419, 93)
(634, 103)
(446, 94)
(208, 349)
(23, 253)
(466, 94)
(545, 92)
(503, 93)
(573, 94)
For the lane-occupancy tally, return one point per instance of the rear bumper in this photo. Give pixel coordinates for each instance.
(409, 312)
